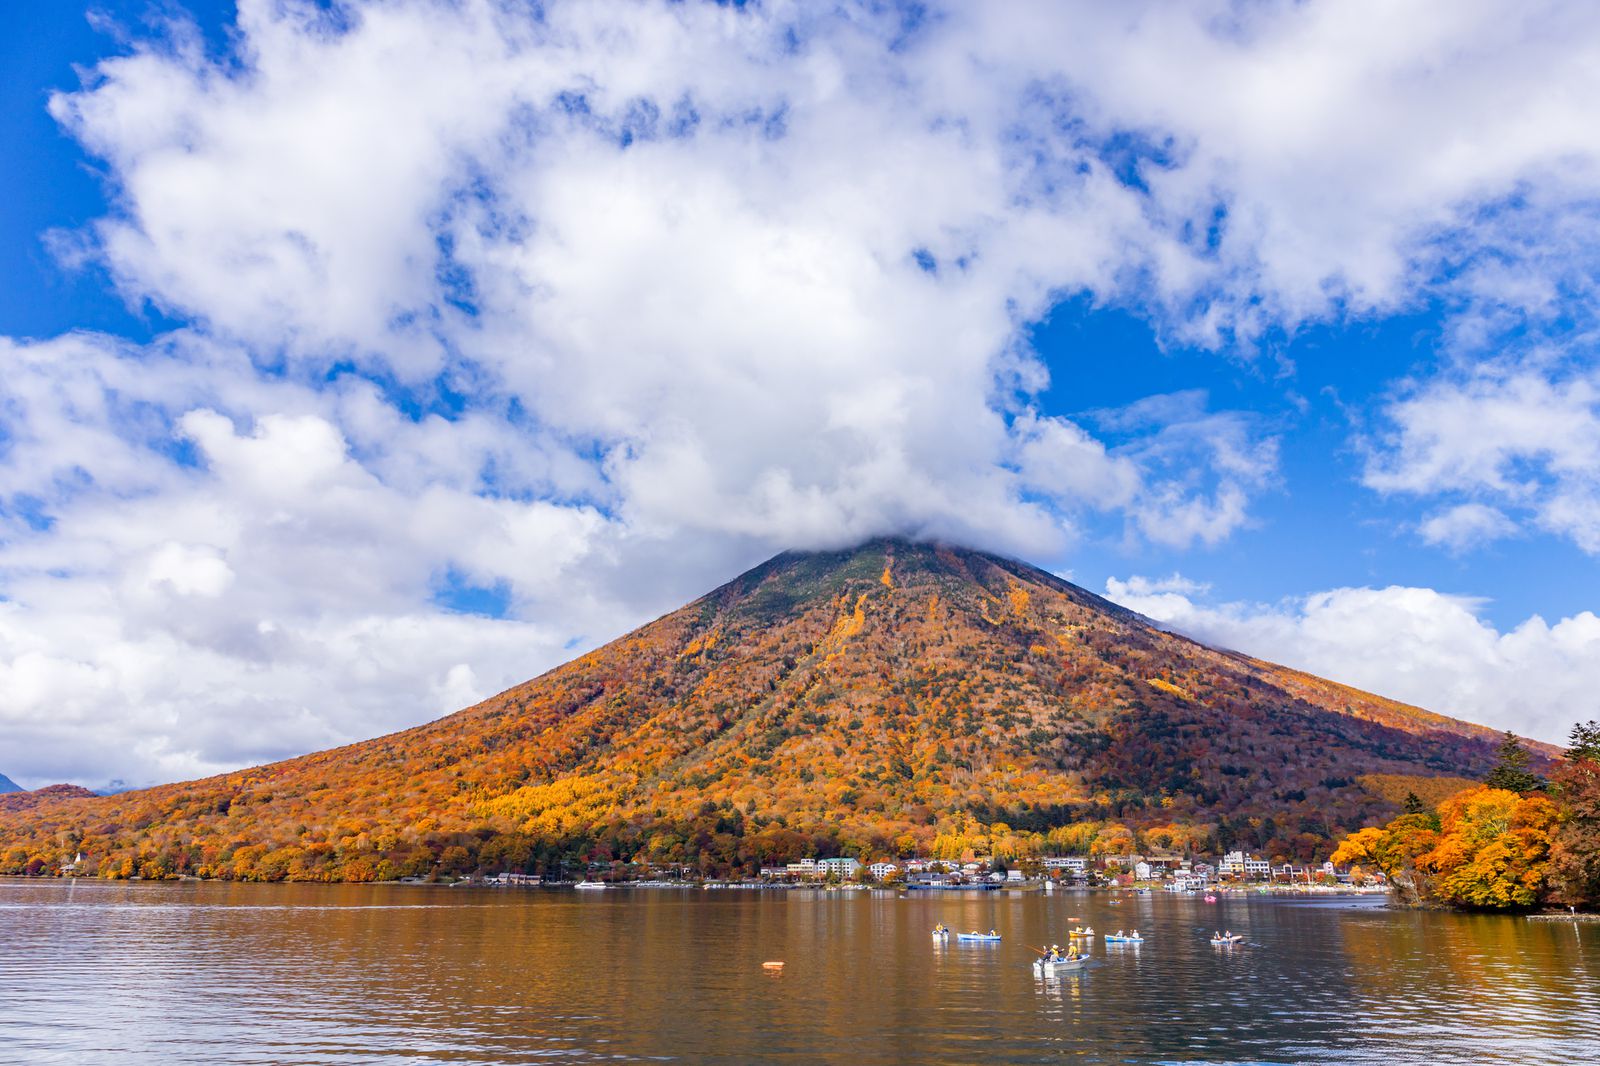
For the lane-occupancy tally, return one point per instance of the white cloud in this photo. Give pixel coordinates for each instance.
(186, 611)
(1412, 644)
(1525, 438)
(1466, 525)
(679, 284)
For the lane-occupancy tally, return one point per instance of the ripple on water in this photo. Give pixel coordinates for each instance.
(386, 974)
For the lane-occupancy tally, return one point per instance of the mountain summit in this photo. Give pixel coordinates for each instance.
(892, 698)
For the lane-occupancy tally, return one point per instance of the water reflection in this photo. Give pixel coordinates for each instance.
(204, 973)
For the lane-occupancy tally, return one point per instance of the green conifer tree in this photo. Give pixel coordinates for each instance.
(1511, 772)
(1584, 741)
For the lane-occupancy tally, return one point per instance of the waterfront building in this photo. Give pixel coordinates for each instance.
(1076, 864)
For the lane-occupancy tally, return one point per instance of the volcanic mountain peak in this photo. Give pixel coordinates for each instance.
(895, 697)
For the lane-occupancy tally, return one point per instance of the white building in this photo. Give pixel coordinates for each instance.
(1239, 864)
(803, 868)
(1071, 863)
(881, 870)
(845, 868)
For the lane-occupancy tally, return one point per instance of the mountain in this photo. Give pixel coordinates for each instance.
(8, 785)
(892, 698)
(22, 800)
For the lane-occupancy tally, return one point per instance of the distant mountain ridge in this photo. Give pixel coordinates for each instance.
(893, 698)
(8, 785)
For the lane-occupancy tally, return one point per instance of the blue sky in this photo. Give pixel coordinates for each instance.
(364, 359)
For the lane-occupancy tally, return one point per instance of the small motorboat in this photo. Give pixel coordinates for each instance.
(591, 886)
(1226, 941)
(979, 938)
(941, 933)
(1086, 933)
(1211, 899)
(1113, 938)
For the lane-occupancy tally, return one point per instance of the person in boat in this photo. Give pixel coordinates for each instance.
(1136, 935)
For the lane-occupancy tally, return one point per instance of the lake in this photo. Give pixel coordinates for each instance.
(220, 973)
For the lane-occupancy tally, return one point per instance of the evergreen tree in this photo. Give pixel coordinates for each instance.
(1584, 741)
(1511, 772)
(1414, 804)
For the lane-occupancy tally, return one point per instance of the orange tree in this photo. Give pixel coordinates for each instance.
(1493, 849)
(1393, 849)
(1484, 848)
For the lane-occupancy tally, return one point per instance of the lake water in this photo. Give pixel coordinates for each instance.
(217, 973)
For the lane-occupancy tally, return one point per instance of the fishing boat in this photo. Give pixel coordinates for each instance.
(1086, 933)
(594, 886)
(1227, 940)
(1211, 899)
(941, 933)
(1113, 938)
(979, 938)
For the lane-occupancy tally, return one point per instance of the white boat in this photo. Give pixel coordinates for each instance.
(591, 885)
(1227, 940)
(981, 938)
(1042, 966)
(941, 934)
(1112, 938)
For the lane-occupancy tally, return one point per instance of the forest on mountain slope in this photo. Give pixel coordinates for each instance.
(891, 699)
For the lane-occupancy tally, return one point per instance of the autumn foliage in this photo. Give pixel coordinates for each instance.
(1497, 848)
(1575, 856)
(891, 699)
